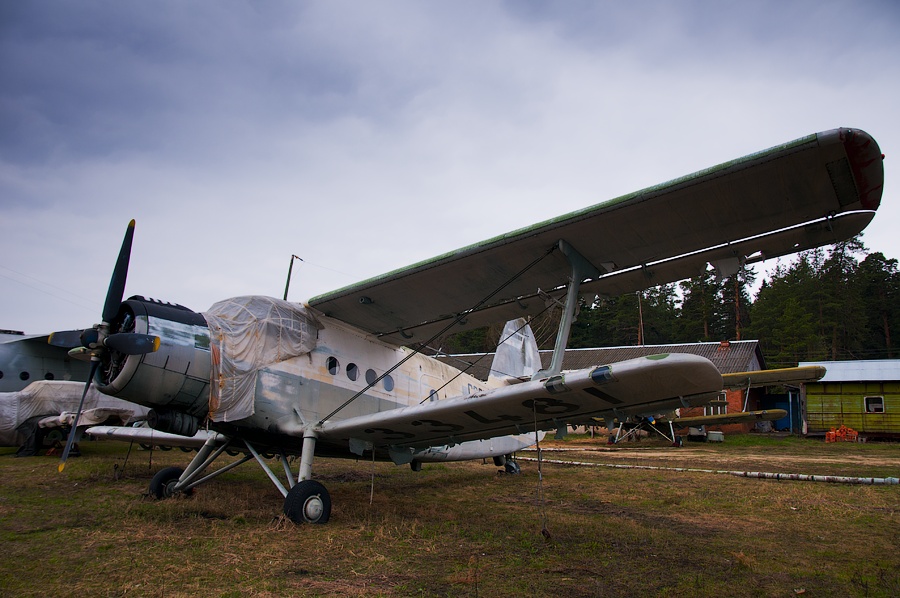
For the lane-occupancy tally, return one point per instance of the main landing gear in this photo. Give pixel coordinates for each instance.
(305, 500)
(649, 425)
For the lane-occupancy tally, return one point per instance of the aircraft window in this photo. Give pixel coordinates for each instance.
(24, 376)
(49, 376)
(371, 376)
(352, 371)
(1, 375)
(333, 365)
(433, 395)
(388, 383)
(874, 404)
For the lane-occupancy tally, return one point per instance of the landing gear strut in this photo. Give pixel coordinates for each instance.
(650, 426)
(305, 500)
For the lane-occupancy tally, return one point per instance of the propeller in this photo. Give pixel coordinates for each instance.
(72, 433)
(97, 341)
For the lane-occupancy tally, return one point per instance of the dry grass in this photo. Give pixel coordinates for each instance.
(459, 529)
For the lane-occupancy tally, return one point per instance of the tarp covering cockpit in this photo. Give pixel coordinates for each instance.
(247, 334)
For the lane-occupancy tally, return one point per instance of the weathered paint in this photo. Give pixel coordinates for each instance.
(832, 404)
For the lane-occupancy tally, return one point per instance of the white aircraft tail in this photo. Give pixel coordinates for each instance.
(517, 354)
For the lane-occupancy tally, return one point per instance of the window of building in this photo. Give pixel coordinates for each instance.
(874, 404)
(717, 407)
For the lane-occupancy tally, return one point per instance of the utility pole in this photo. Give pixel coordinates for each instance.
(290, 268)
(640, 320)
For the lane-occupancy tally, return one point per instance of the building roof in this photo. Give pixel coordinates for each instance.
(728, 357)
(871, 370)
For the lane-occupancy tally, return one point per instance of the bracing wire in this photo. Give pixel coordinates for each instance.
(459, 317)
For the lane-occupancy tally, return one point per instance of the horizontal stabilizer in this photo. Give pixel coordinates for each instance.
(743, 417)
(790, 376)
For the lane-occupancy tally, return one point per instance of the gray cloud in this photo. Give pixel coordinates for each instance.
(366, 136)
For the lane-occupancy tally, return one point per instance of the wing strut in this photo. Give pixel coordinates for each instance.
(581, 270)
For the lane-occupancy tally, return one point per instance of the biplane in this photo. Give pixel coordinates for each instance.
(345, 375)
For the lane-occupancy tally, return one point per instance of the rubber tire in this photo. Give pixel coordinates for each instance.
(308, 502)
(51, 437)
(512, 468)
(160, 485)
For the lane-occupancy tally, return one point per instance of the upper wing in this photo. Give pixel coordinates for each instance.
(645, 384)
(813, 191)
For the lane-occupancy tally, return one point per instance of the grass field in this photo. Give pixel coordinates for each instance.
(463, 529)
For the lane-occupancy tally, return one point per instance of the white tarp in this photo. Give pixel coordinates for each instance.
(247, 334)
(50, 397)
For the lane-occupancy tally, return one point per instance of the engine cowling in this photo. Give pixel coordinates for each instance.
(175, 378)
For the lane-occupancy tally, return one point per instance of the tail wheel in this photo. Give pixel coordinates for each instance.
(308, 502)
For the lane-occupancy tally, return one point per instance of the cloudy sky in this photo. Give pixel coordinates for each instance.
(365, 136)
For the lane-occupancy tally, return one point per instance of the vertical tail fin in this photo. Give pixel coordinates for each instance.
(517, 354)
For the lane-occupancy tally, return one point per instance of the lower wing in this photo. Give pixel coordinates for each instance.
(642, 385)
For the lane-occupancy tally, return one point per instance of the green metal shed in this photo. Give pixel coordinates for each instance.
(863, 395)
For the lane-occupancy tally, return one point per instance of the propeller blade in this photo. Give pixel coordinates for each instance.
(65, 338)
(131, 343)
(117, 283)
(74, 431)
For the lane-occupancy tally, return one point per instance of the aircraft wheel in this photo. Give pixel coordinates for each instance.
(512, 467)
(679, 442)
(162, 484)
(53, 436)
(308, 502)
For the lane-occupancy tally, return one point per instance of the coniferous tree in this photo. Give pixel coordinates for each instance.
(699, 308)
(879, 285)
(841, 307)
(821, 304)
(781, 302)
(734, 298)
